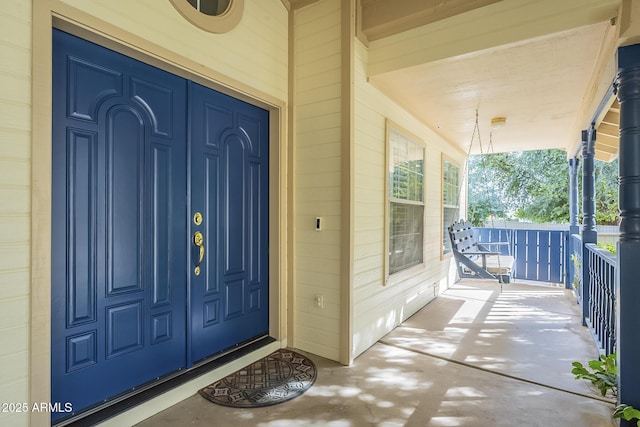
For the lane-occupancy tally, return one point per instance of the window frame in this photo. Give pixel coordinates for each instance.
(443, 228)
(218, 24)
(400, 275)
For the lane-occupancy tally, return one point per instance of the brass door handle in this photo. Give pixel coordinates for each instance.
(198, 241)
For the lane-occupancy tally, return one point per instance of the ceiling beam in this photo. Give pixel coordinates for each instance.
(298, 4)
(611, 118)
(630, 22)
(608, 129)
(497, 24)
(606, 148)
(607, 139)
(382, 18)
(605, 157)
(615, 106)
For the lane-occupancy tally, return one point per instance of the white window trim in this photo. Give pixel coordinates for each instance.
(409, 272)
(443, 233)
(214, 24)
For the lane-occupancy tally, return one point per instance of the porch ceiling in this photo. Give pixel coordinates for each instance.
(544, 65)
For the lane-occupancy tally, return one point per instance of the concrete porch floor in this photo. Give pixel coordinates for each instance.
(472, 357)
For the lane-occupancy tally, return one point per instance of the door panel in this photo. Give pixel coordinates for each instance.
(229, 186)
(124, 148)
(118, 234)
(235, 212)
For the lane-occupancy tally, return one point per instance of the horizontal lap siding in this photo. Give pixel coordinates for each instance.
(379, 308)
(254, 53)
(15, 205)
(317, 141)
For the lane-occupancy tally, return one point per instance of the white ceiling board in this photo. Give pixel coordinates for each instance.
(538, 85)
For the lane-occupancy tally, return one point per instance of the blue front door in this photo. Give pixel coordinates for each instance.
(229, 187)
(136, 152)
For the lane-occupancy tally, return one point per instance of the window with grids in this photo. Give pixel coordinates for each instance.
(450, 200)
(406, 200)
(214, 16)
(210, 7)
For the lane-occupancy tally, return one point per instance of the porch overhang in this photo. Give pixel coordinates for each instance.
(546, 67)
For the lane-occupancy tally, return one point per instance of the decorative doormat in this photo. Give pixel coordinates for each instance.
(279, 377)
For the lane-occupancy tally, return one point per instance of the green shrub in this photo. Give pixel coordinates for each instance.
(576, 276)
(611, 247)
(602, 374)
(628, 413)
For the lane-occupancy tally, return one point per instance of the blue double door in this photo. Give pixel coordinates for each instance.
(159, 223)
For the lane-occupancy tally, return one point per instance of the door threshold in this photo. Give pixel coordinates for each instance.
(101, 413)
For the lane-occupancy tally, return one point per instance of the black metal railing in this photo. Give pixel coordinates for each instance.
(602, 301)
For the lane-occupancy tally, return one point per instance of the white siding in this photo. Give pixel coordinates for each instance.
(15, 205)
(379, 308)
(254, 53)
(317, 61)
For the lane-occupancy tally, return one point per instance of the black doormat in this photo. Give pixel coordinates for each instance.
(279, 377)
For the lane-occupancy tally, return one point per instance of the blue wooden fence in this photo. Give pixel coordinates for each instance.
(539, 254)
(545, 255)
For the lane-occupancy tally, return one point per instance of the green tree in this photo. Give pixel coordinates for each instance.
(607, 212)
(547, 186)
(481, 210)
(534, 186)
(488, 187)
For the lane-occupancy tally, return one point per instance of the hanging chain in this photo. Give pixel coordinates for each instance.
(490, 150)
(476, 130)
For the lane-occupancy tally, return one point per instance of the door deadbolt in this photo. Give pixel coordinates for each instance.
(197, 218)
